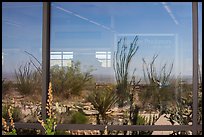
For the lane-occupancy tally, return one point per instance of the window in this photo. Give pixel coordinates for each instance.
(104, 58)
(140, 62)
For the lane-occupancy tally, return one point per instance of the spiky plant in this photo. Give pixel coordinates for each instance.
(102, 99)
(121, 62)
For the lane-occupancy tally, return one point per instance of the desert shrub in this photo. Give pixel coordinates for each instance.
(26, 79)
(16, 114)
(158, 98)
(69, 80)
(38, 81)
(72, 117)
(157, 84)
(6, 85)
(78, 118)
(37, 74)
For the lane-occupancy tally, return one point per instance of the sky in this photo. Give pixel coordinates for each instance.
(84, 28)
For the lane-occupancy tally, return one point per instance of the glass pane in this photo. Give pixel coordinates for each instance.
(153, 38)
(21, 60)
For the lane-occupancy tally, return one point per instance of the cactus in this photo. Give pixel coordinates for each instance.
(121, 61)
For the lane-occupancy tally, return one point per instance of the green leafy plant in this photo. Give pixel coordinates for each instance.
(121, 62)
(78, 118)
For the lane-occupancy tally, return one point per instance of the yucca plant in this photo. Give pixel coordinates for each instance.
(102, 99)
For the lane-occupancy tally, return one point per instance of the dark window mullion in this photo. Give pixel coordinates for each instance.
(195, 65)
(45, 56)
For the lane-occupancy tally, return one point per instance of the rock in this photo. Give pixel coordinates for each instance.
(73, 109)
(78, 107)
(87, 107)
(87, 104)
(114, 109)
(109, 112)
(63, 109)
(26, 112)
(117, 114)
(90, 112)
(163, 121)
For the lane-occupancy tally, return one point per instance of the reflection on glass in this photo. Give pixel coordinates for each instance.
(61, 58)
(104, 58)
(152, 75)
(21, 60)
